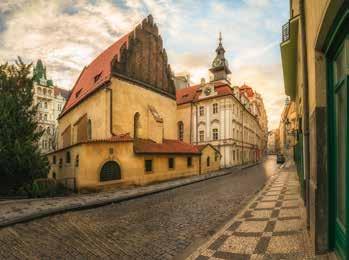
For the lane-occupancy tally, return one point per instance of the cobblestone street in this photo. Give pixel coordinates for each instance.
(159, 226)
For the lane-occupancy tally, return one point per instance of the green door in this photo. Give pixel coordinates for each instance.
(339, 67)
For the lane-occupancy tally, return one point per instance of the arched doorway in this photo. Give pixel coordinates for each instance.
(110, 171)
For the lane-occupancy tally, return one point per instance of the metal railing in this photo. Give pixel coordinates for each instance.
(286, 32)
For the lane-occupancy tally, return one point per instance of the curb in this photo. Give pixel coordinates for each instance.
(148, 190)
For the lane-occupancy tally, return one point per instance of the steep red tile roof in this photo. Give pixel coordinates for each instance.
(203, 146)
(114, 139)
(143, 146)
(191, 94)
(248, 90)
(63, 92)
(94, 75)
(186, 95)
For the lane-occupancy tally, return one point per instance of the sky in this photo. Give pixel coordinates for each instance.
(68, 34)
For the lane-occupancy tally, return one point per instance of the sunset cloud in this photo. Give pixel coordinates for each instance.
(68, 34)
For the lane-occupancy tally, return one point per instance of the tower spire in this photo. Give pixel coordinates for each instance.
(220, 68)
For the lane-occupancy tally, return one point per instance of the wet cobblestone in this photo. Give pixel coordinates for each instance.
(158, 226)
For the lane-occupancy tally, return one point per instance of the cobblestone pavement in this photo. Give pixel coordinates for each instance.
(16, 211)
(272, 226)
(158, 226)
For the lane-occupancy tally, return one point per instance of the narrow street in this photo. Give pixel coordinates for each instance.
(159, 226)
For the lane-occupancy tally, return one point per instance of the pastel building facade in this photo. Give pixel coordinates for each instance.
(119, 125)
(224, 116)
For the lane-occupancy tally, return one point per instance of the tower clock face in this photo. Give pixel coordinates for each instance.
(217, 62)
(207, 91)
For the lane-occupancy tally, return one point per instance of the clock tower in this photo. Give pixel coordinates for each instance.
(220, 67)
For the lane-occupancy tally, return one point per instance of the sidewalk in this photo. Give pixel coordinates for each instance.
(12, 212)
(272, 226)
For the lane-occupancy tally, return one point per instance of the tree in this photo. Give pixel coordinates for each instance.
(20, 159)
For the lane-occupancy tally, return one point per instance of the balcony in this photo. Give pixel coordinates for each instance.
(289, 54)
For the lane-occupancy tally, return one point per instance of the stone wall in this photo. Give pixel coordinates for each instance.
(144, 59)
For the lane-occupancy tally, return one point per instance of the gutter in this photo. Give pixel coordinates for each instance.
(305, 110)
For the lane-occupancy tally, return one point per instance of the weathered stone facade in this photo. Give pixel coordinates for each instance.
(144, 60)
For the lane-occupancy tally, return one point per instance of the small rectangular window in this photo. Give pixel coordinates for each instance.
(202, 136)
(189, 161)
(67, 157)
(54, 159)
(148, 165)
(171, 163)
(201, 111)
(215, 134)
(215, 108)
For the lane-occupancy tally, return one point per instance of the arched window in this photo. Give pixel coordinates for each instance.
(136, 125)
(110, 171)
(208, 161)
(89, 129)
(180, 130)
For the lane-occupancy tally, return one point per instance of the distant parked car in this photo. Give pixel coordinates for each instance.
(280, 158)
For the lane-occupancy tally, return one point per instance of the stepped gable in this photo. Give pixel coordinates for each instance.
(138, 56)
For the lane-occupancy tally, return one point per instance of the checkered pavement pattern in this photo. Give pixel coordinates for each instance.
(271, 227)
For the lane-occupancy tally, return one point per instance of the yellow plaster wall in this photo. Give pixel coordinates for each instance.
(92, 156)
(184, 115)
(315, 10)
(97, 109)
(129, 99)
(208, 151)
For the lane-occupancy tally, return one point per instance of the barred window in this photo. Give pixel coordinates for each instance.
(110, 171)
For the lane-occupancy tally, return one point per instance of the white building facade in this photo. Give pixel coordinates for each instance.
(221, 115)
(50, 100)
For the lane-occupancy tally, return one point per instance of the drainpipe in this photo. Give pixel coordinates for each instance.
(110, 110)
(305, 110)
(196, 124)
(191, 123)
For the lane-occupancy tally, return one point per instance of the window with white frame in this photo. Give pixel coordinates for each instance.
(201, 111)
(215, 108)
(215, 133)
(202, 136)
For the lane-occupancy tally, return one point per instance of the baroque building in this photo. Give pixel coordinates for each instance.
(221, 115)
(50, 100)
(129, 137)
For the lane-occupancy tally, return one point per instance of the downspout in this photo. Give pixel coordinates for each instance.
(191, 122)
(243, 133)
(305, 110)
(196, 124)
(200, 163)
(110, 110)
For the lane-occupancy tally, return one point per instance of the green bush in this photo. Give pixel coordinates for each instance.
(47, 188)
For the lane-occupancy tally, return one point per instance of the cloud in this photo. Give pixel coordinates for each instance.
(68, 34)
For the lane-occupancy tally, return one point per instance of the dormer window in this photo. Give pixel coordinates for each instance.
(77, 94)
(98, 76)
